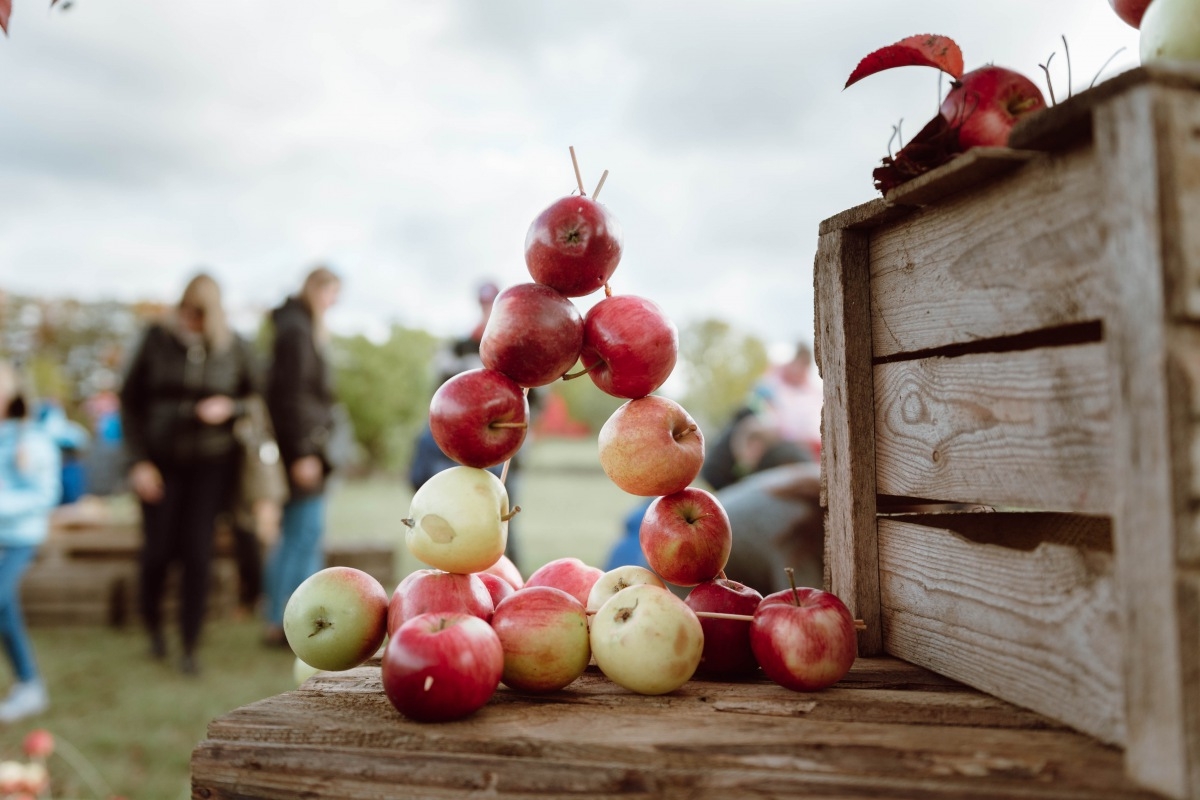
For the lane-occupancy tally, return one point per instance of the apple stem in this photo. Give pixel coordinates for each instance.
(607, 290)
(508, 424)
(791, 573)
(409, 523)
(578, 177)
(322, 624)
(511, 514)
(690, 429)
(570, 376)
(600, 185)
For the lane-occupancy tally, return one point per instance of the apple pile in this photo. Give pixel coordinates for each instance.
(468, 622)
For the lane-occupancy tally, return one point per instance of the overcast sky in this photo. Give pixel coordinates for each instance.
(409, 144)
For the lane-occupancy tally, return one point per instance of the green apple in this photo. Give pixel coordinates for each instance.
(617, 579)
(1170, 30)
(458, 520)
(647, 640)
(336, 619)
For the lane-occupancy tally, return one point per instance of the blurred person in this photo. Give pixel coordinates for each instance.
(183, 391)
(30, 486)
(300, 397)
(788, 398)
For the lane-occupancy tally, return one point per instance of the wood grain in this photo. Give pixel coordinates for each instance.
(1147, 502)
(967, 171)
(1023, 429)
(1018, 257)
(337, 736)
(848, 428)
(1039, 627)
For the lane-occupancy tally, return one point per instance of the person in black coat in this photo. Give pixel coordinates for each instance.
(184, 388)
(301, 400)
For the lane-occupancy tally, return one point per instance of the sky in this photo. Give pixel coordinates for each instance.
(410, 143)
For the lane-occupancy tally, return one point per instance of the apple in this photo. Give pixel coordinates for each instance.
(647, 640)
(629, 346)
(569, 574)
(38, 744)
(573, 246)
(336, 618)
(651, 446)
(544, 632)
(727, 653)
(441, 667)
(686, 536)
(479, 417)
(533, 335)
(505, 568)
(803, 639)
(497, 587)
(1171, 30)
(458, 520)
(618, 578)
(1130, 10)
(987, 102)
(302, 672)
(426, 591)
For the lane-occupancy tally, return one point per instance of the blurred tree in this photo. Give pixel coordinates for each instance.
(719, 366)
(385, 389)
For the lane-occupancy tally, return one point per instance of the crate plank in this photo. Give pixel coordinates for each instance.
(1036, 625)
(964, 172)
(338, 736)
(1147, 501)
(847, 428)
(1179, 116)
(1026, 429)
(990, 264)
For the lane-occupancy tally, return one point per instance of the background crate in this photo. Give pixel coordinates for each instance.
(1020, 331)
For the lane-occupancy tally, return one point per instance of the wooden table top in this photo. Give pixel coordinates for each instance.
(889, 729)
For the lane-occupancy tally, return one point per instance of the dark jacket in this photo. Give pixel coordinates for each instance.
(299, 389)
(165, 381)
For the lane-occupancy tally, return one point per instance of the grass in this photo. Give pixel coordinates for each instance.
(136, 720)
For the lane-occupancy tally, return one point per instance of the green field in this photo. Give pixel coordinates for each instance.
(136, 721)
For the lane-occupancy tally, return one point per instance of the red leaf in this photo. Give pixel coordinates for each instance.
(924, 50)
(5, 11)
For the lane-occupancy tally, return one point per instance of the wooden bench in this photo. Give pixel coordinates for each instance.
(889, 729)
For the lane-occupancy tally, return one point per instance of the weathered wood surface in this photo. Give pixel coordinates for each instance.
(1026, 429)
(967, 171)
(1152, 422)
(847, 429)
(994, 263)
(1011, 604)
(888, 730)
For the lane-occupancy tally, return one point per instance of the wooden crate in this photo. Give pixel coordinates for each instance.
(1020, 330)
(889, 729)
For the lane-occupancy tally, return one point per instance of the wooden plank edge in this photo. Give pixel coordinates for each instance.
(966, 171)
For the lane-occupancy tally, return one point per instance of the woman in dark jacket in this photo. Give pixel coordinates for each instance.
(300, 398)
(183, 390)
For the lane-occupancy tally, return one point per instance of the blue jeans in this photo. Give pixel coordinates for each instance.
(13, 563)
(297, 554)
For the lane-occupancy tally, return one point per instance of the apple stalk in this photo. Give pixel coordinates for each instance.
(859, 625)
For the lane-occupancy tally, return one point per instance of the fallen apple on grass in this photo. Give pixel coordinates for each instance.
(544, 633)
(336, 618)
(442, 667)
(647, 640)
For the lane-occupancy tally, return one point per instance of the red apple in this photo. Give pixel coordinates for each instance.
(629, 346)
(686, 536)
(651, 446)
(1130, 10)
(441, 667)
(336, 618)
(803, 639)
(569, 574)
(533, 335)
(505, 568)
(727, 652)
(497, 587)
(479, 417)
(573, 246)
(986, 103)
(544, 632)
(425, 591)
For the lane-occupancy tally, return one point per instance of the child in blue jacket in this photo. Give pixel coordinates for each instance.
(30, 486)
